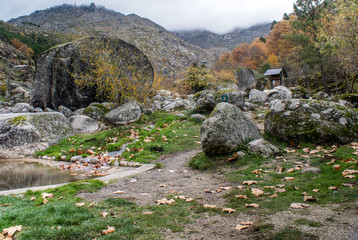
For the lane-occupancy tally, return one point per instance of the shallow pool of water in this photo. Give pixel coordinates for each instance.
(21, 174)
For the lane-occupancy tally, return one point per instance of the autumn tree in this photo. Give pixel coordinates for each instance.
(309, 15)
(341, 34)
(197, 78)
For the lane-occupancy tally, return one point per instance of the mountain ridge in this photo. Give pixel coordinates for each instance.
(230, 40)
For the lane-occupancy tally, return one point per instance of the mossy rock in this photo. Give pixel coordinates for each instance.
(313, 121)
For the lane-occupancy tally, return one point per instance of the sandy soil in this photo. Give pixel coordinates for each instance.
(176, 178)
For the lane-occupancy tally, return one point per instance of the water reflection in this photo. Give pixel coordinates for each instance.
(20, 174)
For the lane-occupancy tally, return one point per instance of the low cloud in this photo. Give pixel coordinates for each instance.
(219, 16)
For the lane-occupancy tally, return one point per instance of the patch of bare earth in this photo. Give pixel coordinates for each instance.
(177, 179)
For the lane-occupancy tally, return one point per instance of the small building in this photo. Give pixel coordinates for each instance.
(276, 76)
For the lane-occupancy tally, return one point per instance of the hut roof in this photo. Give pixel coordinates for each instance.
(275, 71)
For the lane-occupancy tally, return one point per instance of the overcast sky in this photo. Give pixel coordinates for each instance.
(219, 16)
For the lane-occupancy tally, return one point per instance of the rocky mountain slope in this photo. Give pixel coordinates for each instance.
(168, 53)
(209, 40)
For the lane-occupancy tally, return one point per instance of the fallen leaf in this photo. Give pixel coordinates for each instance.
(5, 205)
(247, 223)
(306, 150)
(349, 172)
(11, 231)
(254, 205)
(229, 210)
(47, 195)
(105, 214)
(249, 183)
(288, 179)
(314, 152)
(315, 190)
(240, 187)
(350, 176)
(230, 159)
(348, 185)
(108, 230)
(80, 204)
(290, 170)
(280, 190)
(271, 187)
(299, 205)
(33, 198)
(309, 198)
(280, 185)
(333, 188)
(218, 190)
(304, 194)
(209, 206)
(305, 156)
(257, 192)
(118, 192)
(241, 196)
(180, 197)
(209, 191)
(189, 199)
(279, 169)
(226, 188)
(257, 171)
(240, 227)
(273, 196)
(165, 201)
(337, 167)
(331, 162)
(44, 200)
(148, 213)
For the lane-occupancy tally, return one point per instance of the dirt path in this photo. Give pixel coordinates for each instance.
(177, 179)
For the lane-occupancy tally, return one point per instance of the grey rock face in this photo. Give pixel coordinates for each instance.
(65, 111)
(279, 92)
(58, 67)
(245, 79)
(205, 101)
(198, 117)
(22, 108)
(29, 132)
(96, 111)
(257, 96)
(83, 124)
(127, 113)
(235, 97)
(226, 129)
(262, 147)
(312, 121)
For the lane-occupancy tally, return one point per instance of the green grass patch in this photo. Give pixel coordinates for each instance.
(159, 133)
(201, 162)
(307, 222)
(290, 233)
(60, 218)
(291, 191)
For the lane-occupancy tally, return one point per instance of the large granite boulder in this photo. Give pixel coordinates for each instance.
(83, 124)
(279, 92)
(262, 147)
(22, 108)
(235, 97)
(59, 67)
(312, 121)
(96, 111)
(25, 133)
(127, 113)
(226, 129)
(204, 101)
(257, 96)
(246, 79)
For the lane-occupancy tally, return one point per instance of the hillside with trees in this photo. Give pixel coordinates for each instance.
(316, 43)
